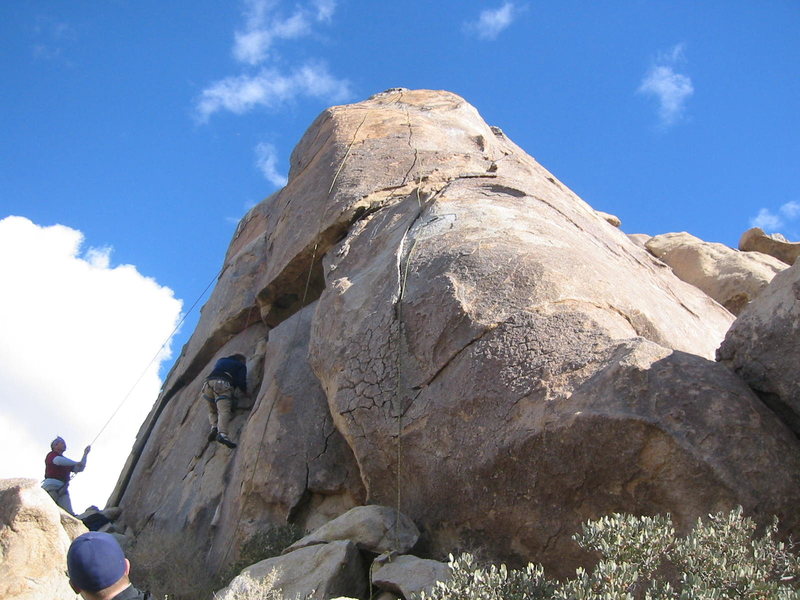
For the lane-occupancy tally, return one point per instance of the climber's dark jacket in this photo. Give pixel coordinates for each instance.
(231, 370)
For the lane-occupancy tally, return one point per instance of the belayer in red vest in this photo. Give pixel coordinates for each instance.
(57, 471)
(219, 389)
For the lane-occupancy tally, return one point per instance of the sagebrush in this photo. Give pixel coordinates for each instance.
(642, 557)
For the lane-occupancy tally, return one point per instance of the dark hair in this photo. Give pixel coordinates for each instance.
(239, 357)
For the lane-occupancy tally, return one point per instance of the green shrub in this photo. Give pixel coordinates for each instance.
(722, 558)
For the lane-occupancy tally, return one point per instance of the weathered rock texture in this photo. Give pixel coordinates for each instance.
(407, 575)
(376, 529)
(35, 535)
(755, 240)
(763, 346)
(318, 572)
(435, 323)
(731, 278)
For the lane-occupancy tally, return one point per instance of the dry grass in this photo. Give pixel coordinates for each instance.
(167, 567)
(245, 587)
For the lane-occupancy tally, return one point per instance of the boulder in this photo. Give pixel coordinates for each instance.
(112, 513)
(321, 572)
(373, 528)
(763, 348)
(730, 277)
(610, 219)
(35, 535)
(408, 575)
(640, 239)
(755, 240)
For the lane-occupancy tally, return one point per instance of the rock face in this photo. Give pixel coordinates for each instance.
(755, 240)
(731, 278)
(762, 346)
(291, 463)
(435, 323)
(34, 538)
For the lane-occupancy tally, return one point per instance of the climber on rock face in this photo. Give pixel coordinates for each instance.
(228, 376)
(57, 471)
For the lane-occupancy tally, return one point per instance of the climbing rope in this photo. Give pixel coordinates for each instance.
(400, 390)
(285, 363)
(156, 355)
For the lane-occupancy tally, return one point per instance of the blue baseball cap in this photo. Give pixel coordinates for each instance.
(95, 561)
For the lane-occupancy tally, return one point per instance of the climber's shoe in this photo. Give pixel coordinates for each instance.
(212, 435)
(224, 439)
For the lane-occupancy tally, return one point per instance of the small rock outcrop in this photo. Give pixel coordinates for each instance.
(640, 239)
(376, 529)
(731, 278)
(755, 240)
(610, 219)
(103, 520)
(35, 535)
(408, 575)
(762, 346)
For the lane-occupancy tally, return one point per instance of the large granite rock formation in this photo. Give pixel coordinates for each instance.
(731, 278)
(35, 535)
(762, 346)
(434, 322)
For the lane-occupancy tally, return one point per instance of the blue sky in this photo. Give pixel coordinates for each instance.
(151, 127)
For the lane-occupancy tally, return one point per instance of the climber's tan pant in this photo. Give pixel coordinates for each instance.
(218, 394)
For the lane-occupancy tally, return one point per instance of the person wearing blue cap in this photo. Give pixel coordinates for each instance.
(98, 569)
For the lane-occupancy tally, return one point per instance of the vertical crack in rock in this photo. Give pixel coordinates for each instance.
(456, 354)
(411, 145)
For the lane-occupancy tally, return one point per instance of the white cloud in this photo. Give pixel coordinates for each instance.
(674, 55)
(670, 88)
(766, 220)
(53, 38)
(325, 9)
(771, 222)
(791, 210)
(251, 46)
(491, 23)
(267, 163)
(269, 88)
(76, 336)
(263, 27)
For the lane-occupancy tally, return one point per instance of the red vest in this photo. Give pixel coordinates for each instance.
(53, 471)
